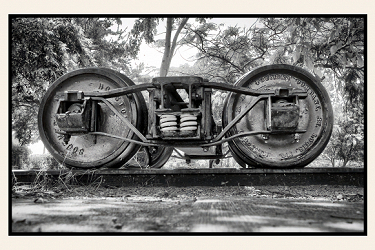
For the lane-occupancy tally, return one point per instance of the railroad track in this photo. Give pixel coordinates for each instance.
(203, 177)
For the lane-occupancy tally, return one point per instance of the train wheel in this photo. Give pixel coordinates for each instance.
(279, 150)
(93, 151)
(150, 157)
(159, 156)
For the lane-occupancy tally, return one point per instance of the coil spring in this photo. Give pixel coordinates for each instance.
(168, 123)
(188, 122)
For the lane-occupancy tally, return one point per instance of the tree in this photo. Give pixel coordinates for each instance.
(225, 55)
(145, 29)
(20, 156)
(39, 52)
(330, 48)
(323, 44)
(346, 144)
(43, 49)
(170, 45)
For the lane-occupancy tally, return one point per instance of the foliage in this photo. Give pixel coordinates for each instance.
(20, 156)
(144, 29)
(170, 44)
(225, 55)
(43, 49)
(346, 144)
(45, 161)
(109, 48)
(330, 48)
(321, 44)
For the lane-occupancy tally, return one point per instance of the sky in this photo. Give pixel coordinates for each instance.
(152, 58)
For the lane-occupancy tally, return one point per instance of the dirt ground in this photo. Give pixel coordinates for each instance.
(250, 209)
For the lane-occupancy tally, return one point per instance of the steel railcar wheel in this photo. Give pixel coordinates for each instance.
(93, 151)
(150, 157)
(157, 157)
(282, 150)
(160, 157)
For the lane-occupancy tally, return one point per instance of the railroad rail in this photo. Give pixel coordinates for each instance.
(204, 177)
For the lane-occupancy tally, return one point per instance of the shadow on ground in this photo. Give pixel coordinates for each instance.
(190, 210)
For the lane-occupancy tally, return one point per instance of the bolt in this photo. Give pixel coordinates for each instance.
(153, 150)
(297, 137)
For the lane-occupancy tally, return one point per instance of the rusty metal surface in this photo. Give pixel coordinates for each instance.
(285, 117)
(90, 150)
(280, 150)
(289, 105)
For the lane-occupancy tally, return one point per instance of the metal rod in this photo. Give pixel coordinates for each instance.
(121, 91)
(216, 142)
(190, 97)
(247, 91)
(178, 153)
(212, 143)
(214, 85)
(93, 126)
(147, 144)
(132, 128)
(238, 117)
(236, 89)
(269, 110)
(162, 96)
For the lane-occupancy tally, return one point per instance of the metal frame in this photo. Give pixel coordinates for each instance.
(218, 140)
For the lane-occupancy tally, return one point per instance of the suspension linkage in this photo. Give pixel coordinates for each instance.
(132, 128)
(209, 144)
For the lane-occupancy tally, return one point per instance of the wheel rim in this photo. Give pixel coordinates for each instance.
(288, 150)
(148, 157)
(160, 156)
(82, 151)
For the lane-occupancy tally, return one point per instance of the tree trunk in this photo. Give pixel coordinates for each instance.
(344, 164)
(333, 162)
(167, 48)
(170, 46)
